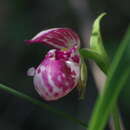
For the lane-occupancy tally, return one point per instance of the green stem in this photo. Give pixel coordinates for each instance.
(115, 114)
(104, 65)
(116, 118)
(41, 104)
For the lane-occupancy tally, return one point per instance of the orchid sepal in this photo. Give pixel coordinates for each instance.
(58, 38)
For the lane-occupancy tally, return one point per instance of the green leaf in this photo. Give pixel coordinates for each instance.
(97, 51)
(96, 43)
(118, 75)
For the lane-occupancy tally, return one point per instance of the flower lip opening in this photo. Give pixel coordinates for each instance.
(71, 54)
(64, 49)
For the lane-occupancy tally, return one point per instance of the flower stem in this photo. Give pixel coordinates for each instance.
(41, 104)
(116, 118)
(115, 113)
(104, 65)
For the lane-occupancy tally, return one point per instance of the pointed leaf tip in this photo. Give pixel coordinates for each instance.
(96, 43)
(96, 39)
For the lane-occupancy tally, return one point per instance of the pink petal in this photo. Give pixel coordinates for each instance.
(57, 38)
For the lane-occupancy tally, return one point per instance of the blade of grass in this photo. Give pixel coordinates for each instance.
(41, 104)
(117, 78)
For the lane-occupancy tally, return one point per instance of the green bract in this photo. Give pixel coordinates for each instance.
(97, 51)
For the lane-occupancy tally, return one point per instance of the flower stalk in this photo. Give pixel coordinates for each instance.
(41, 104)
(86, 53)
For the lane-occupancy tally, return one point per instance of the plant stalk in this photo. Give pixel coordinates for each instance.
(116, 118)
(115, 113)
(41, 104)
(104, 65)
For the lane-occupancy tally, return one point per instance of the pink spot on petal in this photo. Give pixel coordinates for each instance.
(39, 70)
(50, 90)
(46, 94)
(56, 94)
(65, 89)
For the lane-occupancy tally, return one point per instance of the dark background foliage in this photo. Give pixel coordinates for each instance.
(21, 20)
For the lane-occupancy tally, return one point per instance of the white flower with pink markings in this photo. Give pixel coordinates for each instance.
(59, 71)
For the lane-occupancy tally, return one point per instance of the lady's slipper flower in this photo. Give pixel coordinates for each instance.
(59, 71)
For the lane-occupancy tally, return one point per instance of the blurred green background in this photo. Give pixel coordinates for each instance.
(21, 20)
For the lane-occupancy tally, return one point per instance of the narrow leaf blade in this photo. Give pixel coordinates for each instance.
(117, 77)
